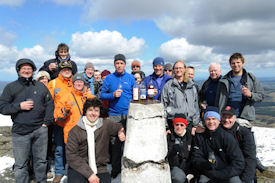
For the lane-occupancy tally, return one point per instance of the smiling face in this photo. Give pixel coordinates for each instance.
(212, 123)
(63, 53)
(97, 76)
(44, 80)
(228, 120)
(179, 128)
(25, 71)
(66, 72)
(93, 113)
(214, 72)
(79, 85)
(190, 73)
(237, 66)
(179, 69)
(89, 72)
(158, 70)
(120, 66)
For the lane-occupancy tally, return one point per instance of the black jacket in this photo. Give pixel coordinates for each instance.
(247, 144)
(54, 73)
(18, 91)
(229, 158)
(179, 150)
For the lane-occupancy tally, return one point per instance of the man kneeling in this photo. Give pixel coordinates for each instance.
(216, 154)
(88, 144)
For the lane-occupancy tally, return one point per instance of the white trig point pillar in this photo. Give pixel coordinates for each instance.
(145, 146)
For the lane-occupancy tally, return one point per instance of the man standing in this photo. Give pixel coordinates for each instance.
(179, 95)
(216, 154)
(158, 78)
(117, 88)
(31, 108)
(207, 94)
(52, 65)
(168, 69)
(89, 76)
(239, 89)
(191, 74)
(62, 84)
(246, 142)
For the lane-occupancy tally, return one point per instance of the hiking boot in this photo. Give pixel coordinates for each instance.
(57, 178)
(49, 175)
(260, 166)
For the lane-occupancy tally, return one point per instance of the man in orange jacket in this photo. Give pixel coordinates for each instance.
(62, 84)
(69, 106)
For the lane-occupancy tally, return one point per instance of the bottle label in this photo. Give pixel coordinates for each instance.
(142, 93)
(135, 93)
(151, 92)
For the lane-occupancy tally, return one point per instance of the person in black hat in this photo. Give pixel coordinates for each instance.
(31, 108)
(216, 155)
(245, 139)
(52, 65)
(179, 146)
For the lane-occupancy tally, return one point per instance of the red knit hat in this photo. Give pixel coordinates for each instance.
(105, 73)
(180, 118)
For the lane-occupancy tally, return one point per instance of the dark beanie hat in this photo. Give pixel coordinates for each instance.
(105, 73)
(158, 61)
(180, 118)
(24, 61)
(120, 57)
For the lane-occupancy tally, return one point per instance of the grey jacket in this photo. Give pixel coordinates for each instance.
(176, 100)
(250, 81)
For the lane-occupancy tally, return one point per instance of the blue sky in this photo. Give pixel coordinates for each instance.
(199, 32)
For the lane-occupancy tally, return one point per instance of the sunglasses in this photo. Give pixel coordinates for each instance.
(179, 124)
(135, 66)
(167, 70)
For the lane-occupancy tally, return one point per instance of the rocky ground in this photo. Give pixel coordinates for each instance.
(6, 176)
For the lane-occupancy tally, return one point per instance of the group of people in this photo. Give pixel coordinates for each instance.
(86, 112)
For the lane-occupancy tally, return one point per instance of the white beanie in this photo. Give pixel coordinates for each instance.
(41, 74)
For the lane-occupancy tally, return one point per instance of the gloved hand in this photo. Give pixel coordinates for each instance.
(68, 106)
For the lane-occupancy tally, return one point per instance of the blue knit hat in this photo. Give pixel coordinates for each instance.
(158, 60)
(212, 111)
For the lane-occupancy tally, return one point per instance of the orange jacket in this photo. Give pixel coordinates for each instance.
(60, 85)
(71, 117)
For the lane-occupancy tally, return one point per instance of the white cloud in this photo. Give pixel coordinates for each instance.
(11, 2)
(6, 38)
(105, 44)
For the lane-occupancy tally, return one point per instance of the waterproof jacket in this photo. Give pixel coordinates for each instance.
(154, 77)
(77, 146)
(248, 147)
(176, 100)
(229, 158)
(60, 84)
(118, 106)
(247, 110)
(202, 97)
(26, 121)
(54, 73)
(71, 117)
(179, 150)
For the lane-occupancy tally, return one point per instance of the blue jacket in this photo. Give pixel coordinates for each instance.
(154, 81)
(118, 106)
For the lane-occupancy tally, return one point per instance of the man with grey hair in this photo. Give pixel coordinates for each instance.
(208, 90)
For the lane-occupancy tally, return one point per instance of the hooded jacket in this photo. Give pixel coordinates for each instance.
(60, 85)
(77, 146)
(69, 118)
(26, 121)
(229, 158)
(154, 77)
(176, 100)
(118, 106)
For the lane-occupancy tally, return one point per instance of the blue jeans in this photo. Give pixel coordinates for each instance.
(35, 144)
(59, 153)
(177, 175)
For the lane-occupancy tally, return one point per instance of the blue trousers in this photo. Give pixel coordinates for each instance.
(59, 154)
(35, 144)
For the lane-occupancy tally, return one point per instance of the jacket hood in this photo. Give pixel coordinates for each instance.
(24, 61)
(80, 123)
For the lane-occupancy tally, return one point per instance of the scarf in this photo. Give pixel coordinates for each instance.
(90, 129)
(90, 81)
(181, 135)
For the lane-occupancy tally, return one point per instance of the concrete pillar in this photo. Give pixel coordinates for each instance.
(145, 146)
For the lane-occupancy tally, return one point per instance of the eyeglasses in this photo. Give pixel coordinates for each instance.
(179, 124)
(135, 66)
